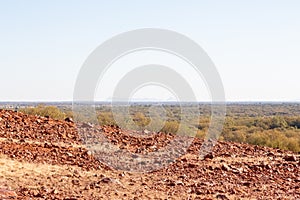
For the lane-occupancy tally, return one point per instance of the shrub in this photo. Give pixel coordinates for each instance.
(106, 118)
(278, 122)
(294, 122)
(140, 119)
(45, 111)
(170, 127)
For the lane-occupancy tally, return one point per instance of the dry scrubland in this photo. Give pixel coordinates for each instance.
(271, 125)
(44, 158)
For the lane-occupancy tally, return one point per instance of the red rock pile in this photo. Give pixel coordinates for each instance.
(231, 171)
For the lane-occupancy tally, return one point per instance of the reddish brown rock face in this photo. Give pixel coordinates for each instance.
(44, 158)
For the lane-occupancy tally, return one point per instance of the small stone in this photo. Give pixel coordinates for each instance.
(146, 131)
(54, 191)
(222, 196)
(247, 184)
(69, 154)
(69, 119)
(75, 182)
(87, 125)
(35, 193)
(179, 183)
(209, 156)
(291, 158)
(106, 180)
(192, 165)
(198, 191)
(225, 167)
(172, 183)
(182, 176)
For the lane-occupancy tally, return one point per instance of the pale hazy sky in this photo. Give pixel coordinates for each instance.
(255, 44)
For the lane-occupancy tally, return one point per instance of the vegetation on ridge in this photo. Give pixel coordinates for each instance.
(272, 126)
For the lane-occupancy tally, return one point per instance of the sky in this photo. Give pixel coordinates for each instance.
(255, 45)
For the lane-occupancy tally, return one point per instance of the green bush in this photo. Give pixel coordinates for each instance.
(235, 136)
(45, 111)
(170, 127)
(275, 139)
(106, 118)
(294, 122)
(140, 119)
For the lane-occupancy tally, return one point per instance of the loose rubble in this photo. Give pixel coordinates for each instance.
(47, 159)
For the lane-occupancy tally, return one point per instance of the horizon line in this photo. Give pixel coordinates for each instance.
(151, 101)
